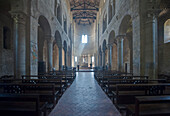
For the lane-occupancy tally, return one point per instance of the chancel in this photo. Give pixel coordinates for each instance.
(84, 58)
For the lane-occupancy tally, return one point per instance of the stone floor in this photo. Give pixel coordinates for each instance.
(85, 98)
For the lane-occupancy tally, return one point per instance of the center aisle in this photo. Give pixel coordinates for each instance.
(84, 98)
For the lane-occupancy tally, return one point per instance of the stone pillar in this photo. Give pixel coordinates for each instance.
(68, 58)
(151, 45)
(109, 56)
(50, 52)
(120, 52)
(100, 58)
(103, 58)
(19, 44)
(60, 58)
(65, 58)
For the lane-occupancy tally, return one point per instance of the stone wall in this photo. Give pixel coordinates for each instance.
(123, 8)
(29, 14)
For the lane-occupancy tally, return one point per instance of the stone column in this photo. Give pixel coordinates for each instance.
(19, 44)
(100, 58)
(68, 58)
(109, 56)
(60, 58)
(103, 58)
(151, 45)
(50, 51)
(65, 58)
(120, 39)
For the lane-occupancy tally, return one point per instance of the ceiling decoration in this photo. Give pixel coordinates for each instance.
(84, 11)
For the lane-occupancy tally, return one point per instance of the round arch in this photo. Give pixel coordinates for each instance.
(126, 29)
(44, 33)
(58, 39)
(113, 53)
(111, 37)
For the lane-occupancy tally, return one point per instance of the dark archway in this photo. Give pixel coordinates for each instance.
(113, 51)
(127, 30)
(44, 33)
(58, 41)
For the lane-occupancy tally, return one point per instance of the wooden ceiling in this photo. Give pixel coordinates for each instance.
(84, 11)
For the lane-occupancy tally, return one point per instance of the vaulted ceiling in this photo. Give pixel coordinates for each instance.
(84, 11)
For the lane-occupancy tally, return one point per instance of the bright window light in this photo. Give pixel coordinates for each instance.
(167, 31)
(83, 60)
(93, 59)
(75, 58)
(84, 38)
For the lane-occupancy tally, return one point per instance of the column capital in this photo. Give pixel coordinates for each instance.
(121, 36)
(19, 17)
(109, 45)
(49, 38)
(154, 12)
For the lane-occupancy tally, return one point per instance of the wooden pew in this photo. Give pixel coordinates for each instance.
(150, 105)
(102, 76)
(34, 79)
(60, 83)
(109, 81)
(67, 76)
(46, 92)
(21, 105)
(7, 77)
(125, 93)
(111, 84)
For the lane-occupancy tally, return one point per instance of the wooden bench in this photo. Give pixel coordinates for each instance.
(60, 83)
(102, 78)
(125, 93)
(46, 92)
(21, 105)
(150, 105)
(109, 81)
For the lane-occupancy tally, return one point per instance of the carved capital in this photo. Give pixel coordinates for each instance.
(154, 12)
(120, 37)
(109, 45)
(50, 39)
(19, 17)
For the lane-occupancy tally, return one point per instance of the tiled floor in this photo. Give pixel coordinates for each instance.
(84, 98)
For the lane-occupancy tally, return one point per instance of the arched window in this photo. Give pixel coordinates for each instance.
(104, 22)
(59, 13)
(65, 24)
(167, 31)
(6, 38)
(110, 11)
(114, 8)
(55, 8)
(69, 33)
(84, 39)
